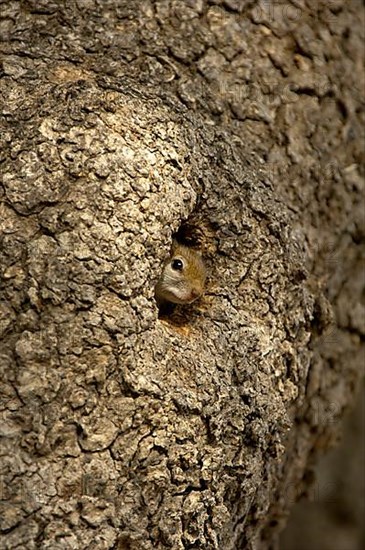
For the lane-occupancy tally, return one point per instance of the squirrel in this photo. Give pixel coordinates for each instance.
(183, 276)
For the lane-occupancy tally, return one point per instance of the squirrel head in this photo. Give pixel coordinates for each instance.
(183, 276)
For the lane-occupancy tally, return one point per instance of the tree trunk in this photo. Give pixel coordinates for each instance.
(235, 126)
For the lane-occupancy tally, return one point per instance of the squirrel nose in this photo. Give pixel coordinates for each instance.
(195, 293)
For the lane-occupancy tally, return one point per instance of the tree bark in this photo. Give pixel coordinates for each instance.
(237, 126)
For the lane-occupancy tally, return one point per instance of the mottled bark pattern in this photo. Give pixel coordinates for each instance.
(238, 124)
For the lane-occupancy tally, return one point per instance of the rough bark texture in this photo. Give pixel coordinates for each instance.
(238, 125)
(334, 505)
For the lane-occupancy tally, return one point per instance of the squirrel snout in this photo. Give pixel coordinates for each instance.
(195, 293)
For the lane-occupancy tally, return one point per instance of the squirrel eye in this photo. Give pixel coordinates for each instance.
(177, 264)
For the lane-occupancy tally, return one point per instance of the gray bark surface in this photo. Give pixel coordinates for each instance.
(237, 125)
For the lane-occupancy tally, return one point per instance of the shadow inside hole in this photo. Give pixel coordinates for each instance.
(178, 315)
(189, 234)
